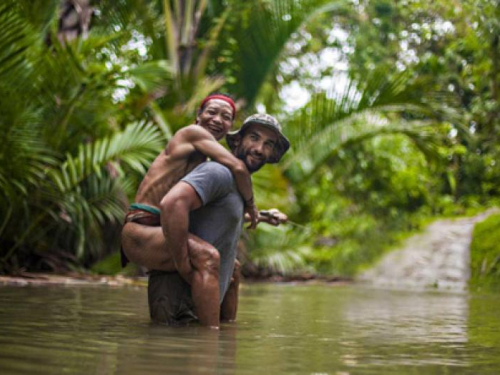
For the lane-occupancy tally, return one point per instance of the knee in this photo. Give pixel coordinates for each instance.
(129, 242)
(206, 259)
(209, 261)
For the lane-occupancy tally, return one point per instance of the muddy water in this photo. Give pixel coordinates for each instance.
(281, 329)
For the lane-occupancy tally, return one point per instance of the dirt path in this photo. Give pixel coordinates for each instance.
(439, 257)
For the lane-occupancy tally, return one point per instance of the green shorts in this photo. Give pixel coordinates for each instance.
(141, 214)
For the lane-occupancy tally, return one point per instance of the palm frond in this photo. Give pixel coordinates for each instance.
(305, 162)
(202, 88)
(151, 76)
(17, 38)
(87, 210)
(269, 28)
(271, 188)
(161, 120)
(281, 249)
(135, 147)
(171, 35)
(332, 120)
(214, 34)
(24, 155)
(41, 14)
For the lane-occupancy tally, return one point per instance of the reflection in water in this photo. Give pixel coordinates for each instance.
(190, 350)
(410, 317)
(101, 330)
(280, 329)
(410, 329)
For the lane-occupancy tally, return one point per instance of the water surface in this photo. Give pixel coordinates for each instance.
(281, 328)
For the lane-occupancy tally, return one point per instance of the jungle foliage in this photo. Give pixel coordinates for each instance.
(399, 123)
(485, 254)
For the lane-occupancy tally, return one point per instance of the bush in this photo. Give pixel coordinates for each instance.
(485, 253)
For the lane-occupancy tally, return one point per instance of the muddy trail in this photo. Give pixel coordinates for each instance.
(439, 257)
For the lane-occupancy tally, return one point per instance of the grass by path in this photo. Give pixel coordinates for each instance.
(485, 254)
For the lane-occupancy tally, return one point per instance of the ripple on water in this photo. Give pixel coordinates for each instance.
(280, 329)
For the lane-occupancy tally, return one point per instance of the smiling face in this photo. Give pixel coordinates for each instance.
(216, 117)
(256, 146)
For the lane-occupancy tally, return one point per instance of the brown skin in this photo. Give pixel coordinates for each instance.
(229, 306)
(255, 148)
(190, 147)
(171, 247)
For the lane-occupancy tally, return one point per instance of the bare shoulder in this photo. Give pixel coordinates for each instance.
(192, 133)
(183, 142)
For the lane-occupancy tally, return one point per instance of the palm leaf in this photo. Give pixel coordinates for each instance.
(214, 35)
(24, 156)
(87, 210)
(280, 249)
(203, 87)
(305, 162)
(333, 120)
(270, 27)
(78, 197)
(171, 35)
(271, 188)
(17, 37)
(135, 147)
(151, 76)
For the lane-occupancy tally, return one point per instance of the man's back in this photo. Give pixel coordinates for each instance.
(220, 219)
(177, 160)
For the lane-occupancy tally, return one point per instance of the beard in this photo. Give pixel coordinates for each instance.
(242, 155)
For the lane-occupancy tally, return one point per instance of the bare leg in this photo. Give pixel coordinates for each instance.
(229, 306)
(146, 246)
(205, 283)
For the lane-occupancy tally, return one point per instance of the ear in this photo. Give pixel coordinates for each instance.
(237, 140)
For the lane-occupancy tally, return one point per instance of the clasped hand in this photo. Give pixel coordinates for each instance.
(273, 217)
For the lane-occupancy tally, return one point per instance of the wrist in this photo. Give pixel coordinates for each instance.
(249, 202)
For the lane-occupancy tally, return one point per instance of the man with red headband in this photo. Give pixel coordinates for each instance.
(188, 148)
(201, 220)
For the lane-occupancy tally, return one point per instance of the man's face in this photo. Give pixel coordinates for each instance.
(256, 146)
(216, 117)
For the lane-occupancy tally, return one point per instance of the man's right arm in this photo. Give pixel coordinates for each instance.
(175, 207)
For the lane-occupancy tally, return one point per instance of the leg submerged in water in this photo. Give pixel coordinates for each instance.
(229, 306)
(146, 246)
(205, 282)
(169, 299)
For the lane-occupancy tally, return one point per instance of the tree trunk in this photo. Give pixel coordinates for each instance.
(74, 19)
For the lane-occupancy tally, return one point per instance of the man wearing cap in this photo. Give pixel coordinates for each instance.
(189, 147)
(206, 204)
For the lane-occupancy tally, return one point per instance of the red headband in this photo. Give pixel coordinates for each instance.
(220, 97)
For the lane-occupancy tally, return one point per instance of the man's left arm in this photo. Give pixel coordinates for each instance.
(175, 208)
(206, 183)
